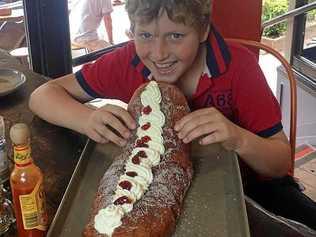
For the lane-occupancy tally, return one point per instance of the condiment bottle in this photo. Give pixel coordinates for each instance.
(26, 182)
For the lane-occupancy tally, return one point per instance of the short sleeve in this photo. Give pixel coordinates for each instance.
(256, 108)
(111, 76)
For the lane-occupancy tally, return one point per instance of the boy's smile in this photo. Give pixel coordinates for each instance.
(165, 68)
(168, 49)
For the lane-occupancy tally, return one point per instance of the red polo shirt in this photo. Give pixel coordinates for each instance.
(233, 83)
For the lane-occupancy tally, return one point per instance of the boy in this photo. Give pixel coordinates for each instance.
(227, 92)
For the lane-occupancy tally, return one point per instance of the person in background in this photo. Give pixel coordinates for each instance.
(230, 100)
(85, 18)
(117, 2)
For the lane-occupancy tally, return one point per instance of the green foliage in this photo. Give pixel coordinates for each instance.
(311, 14)
(272, 9)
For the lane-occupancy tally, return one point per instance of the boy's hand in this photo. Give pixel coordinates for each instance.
(211, 126)
(104, 120)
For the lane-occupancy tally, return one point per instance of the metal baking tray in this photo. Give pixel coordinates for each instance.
(214, 205)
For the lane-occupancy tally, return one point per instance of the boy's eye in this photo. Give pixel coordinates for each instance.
(176, 36)
(145, 35)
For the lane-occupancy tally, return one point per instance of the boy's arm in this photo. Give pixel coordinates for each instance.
(267, 156)
(60, 102)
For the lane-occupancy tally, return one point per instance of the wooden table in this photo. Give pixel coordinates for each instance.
(55, 150)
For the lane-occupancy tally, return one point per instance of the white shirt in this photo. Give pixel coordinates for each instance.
(85, 18)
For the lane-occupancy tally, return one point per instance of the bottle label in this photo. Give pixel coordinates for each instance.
(33, 209)
(22, 154)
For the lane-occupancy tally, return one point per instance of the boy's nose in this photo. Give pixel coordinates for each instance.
(160, 50)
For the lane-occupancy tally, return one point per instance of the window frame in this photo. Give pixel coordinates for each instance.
(301, 64)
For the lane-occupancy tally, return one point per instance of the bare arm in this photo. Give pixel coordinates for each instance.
(107, 19)
(267, 156)
(60, 102)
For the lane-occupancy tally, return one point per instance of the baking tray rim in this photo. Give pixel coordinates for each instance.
(69, 196)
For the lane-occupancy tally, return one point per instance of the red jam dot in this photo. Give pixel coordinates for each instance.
(147, 110)
(142, 154)
(122, 200)
(140, 143)
(145, 139)
(144, 145)
(125, 185)
(131, 173)
(146, 126)
(136, 160)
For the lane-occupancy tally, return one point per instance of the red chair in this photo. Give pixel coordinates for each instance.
(241, 23)
(293, 96)
(232, 18)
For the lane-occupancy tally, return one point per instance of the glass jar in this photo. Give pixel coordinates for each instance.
(6, 212)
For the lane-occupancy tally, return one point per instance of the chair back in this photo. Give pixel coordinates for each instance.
(238, 19)
(240, 22)
(293, 94)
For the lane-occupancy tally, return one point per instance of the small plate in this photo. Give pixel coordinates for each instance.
(10, 80)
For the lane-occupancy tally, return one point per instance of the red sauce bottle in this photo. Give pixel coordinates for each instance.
(26, 182)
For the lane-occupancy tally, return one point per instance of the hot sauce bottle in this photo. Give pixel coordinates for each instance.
(26, 182)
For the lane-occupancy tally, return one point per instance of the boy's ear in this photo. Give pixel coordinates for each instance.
(205, 33)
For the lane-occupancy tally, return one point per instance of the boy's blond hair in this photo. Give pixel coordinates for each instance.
(194, 13)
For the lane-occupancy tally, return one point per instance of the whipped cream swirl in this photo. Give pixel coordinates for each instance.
(108, 219)
(148, 148)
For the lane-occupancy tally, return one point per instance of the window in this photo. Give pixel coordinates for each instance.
(304, 44)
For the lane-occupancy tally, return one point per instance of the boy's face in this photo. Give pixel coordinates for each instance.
(167, 49)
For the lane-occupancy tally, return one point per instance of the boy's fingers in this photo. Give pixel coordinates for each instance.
(122, 114)
(190, 117)
(181, 123)
(116, 139)
(213, 137)
(198, 132)
(113, 122)
(209, 139)
(107, 134)
(95, 136)
(191, 125)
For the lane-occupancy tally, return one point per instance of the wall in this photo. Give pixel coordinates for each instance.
(306, 113)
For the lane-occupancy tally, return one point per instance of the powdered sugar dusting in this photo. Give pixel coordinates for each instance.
(172, 176)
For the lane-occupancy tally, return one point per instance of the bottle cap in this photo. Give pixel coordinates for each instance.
(20, 134)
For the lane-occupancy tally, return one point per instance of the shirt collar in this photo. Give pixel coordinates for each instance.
(217, 60)
(218, 55)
